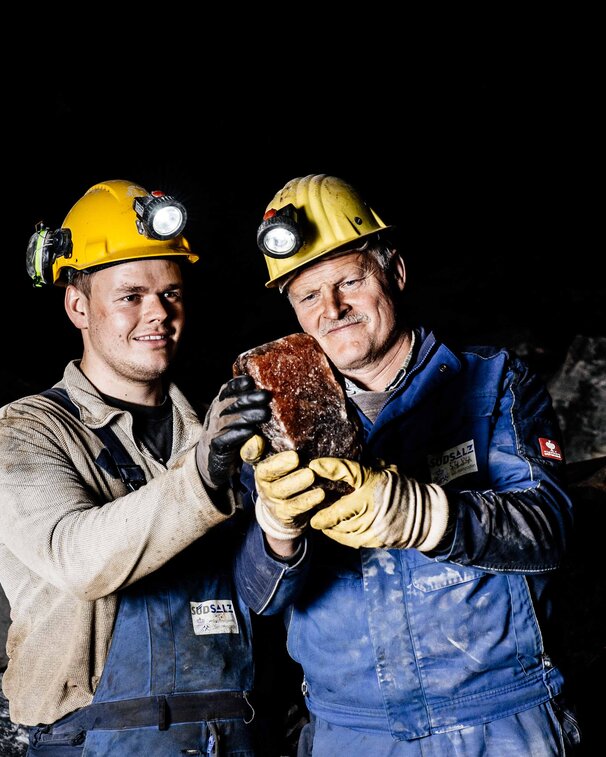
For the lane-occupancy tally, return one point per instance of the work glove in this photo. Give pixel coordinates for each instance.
(385, 509)
(284, 499)
(231, 419)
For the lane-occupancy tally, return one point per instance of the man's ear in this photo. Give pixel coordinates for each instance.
(76, 307)
(399, 271)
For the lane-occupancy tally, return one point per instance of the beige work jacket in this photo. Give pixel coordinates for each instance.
(70, 538)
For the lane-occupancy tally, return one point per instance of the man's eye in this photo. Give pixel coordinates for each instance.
(350, 283)
(172, 295)
(130, 298)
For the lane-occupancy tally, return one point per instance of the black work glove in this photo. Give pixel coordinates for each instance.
(231, 419)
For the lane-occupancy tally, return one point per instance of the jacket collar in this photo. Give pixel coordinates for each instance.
(94, 412)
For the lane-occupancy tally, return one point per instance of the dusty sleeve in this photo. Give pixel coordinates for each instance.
(73, 525)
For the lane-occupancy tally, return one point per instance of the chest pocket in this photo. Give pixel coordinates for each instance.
(458, 455)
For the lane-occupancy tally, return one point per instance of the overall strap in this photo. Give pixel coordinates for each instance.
(131, 474)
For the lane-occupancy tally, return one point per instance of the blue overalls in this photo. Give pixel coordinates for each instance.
(187, 693)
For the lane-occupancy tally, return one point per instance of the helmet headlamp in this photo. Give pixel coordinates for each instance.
(159, 216)
(279, 235)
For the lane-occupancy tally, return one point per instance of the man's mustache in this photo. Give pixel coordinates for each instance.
(347, 320)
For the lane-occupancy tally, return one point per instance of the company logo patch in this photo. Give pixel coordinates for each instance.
(452, 463)
(550, 449)
(214, 616)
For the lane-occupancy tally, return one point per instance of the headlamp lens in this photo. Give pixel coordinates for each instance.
(167, 221)
(280, 241)
(279, 234)
(159, 216)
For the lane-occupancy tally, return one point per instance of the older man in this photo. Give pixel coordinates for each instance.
(420, 626)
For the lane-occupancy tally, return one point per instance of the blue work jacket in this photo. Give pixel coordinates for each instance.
(410, 644)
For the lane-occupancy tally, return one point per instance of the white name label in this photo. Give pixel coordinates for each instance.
(214, 616)
(452, 463)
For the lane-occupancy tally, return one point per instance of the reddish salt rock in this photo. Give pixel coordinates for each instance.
(309, 409)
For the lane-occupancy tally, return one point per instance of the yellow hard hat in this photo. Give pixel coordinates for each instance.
(115, 221)
(310, 217)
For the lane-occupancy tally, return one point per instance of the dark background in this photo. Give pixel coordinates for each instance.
(481, 139)
(482, 164)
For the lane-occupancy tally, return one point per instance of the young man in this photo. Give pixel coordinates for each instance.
(420, 626)
(117, 524)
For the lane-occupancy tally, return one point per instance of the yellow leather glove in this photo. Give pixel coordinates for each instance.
(385, 509)
(284, 498)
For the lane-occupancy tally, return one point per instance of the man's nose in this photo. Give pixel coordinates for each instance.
(156, 308)
(333, 305)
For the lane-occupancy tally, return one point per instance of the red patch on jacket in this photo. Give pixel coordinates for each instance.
(550, 449)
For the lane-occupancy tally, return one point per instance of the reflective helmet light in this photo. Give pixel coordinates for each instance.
(159, 216)
(279, 235)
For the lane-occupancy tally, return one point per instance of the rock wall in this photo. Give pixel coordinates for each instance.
(578, 391)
